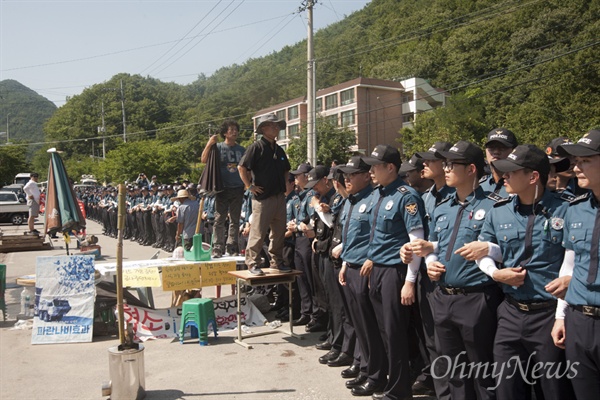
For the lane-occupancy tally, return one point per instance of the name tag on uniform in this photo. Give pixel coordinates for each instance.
(389, 205)
(362, 208)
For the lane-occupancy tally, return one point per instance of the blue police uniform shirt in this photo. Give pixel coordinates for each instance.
(579, 226)
(496, 190)
(230, 157)
(507, 227)
(356, 227)
(432, 198)
(397, 210)
(459, 271)
(290, 201)
(305, 210)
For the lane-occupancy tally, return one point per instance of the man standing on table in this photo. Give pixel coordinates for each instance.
(228, 202)
(577, 325)
(264, 170)
(396, 218)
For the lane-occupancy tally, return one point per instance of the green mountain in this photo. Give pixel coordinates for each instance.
(529, 65)
(24, 111)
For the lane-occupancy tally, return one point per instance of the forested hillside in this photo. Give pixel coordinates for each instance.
(531, 66)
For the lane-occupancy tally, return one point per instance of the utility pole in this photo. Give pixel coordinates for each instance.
(103, 133)
(123, 109)
(311, 137)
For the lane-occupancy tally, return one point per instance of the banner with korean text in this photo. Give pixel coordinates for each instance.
(64, 299)
(165, 323)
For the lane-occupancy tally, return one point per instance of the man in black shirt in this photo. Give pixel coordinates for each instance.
(264, 170)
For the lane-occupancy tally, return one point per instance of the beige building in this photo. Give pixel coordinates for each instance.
(372, 108)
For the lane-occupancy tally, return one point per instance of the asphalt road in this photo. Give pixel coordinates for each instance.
(277, 367)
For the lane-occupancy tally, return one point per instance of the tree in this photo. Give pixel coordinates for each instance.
(333, 143)
(12, 162)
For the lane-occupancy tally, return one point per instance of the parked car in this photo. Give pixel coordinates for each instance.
(13, 209)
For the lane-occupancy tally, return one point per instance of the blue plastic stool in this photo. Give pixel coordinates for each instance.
(198, 314)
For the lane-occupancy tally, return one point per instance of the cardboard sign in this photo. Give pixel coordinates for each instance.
(215, 273)
(141, 277)
(181, 277)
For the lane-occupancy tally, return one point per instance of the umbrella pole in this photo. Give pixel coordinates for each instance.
(120, 226)
(200, 211)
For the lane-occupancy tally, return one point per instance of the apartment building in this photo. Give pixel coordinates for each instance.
(373, 108)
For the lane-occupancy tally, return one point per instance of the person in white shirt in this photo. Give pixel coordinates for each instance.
(33, 201)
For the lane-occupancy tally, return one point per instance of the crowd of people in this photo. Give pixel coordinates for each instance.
(462, 273)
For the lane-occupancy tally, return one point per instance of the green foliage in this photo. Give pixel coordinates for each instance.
(333, 143)
(167, 161)
(12, 162)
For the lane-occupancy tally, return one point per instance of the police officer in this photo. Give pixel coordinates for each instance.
(355, 243)
(578, 320)
(397, 216)
(500, 142)
(465, 300)
(528, 228)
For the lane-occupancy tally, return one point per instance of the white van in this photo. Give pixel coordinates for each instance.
(22, 178)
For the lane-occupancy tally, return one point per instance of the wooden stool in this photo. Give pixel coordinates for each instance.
(198, 313)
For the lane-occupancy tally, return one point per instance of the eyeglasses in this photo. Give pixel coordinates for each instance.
(449, 165)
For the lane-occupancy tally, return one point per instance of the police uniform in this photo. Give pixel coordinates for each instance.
(496, 190)
(466, 299)
(397, 209)
(355, 238)
(582, 320)
(531, 238)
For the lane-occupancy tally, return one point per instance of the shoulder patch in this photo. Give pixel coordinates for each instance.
(501, 201)
(412, 208)
(403, 189)
(484, 178)
(496, 197)
(567, 196)
(580, 198)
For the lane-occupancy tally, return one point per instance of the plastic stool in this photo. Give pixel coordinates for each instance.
(198, 313)
(2, 290)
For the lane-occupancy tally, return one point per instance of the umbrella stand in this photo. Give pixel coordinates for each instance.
(126, 361)
(197, 253)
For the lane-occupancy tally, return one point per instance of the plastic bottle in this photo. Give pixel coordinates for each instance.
(274, 324)
(245, 329)
(28, 310)
(24, 295)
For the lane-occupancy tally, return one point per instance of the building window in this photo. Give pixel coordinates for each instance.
(348, 118)
(347, 96)
(294, 131)
(280, 115)
(331, 101)
(293, 112)
(319, 104)
(408, 117)
(332, 119)
(407, 97)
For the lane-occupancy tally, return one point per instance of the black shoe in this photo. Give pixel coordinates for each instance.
(351, 372)
(356, 382)
(256, 271)
(343, 360)
(367, 389)
(303, 320)
(323, 337)
(284, 268)
(282, 312)
(420, 388)
(318, 327)
(284, 318)
(311, 323)
(381, 395)
(323, 346)
(331, 355)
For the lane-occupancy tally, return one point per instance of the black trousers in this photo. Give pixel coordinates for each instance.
(373, 360)
(392, 320)
(465, 326)
(583, 346)
(526, 335)
(302, 261)
(335, 304)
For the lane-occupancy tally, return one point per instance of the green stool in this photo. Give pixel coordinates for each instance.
(2, 290)
(198, 313)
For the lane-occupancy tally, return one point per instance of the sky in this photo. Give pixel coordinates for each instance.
(59, 48)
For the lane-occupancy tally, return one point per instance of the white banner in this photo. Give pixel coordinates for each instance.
(165, 323)
(64, 299)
